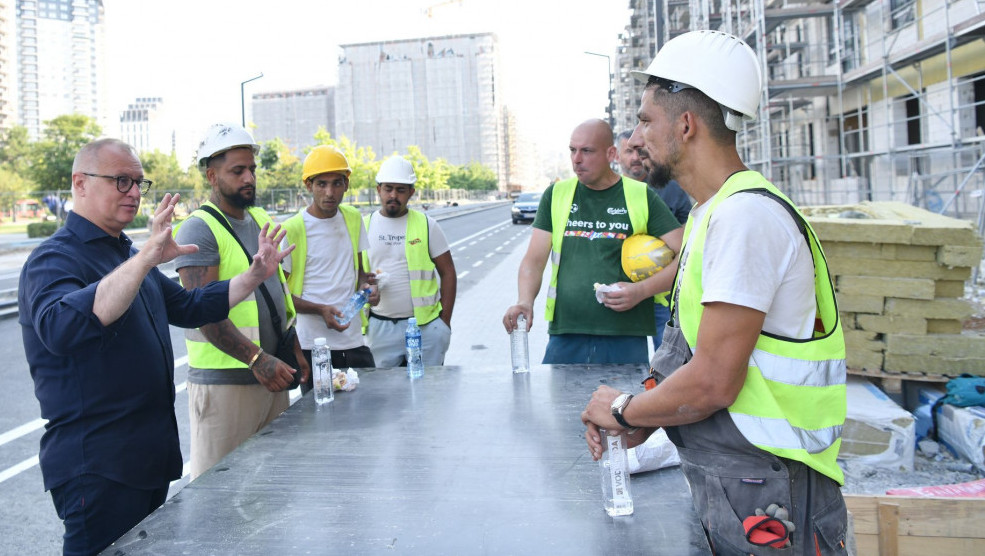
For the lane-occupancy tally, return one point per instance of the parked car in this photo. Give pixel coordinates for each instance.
(525, 207)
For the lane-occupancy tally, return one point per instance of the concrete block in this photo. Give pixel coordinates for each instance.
(949, 288)
(865, 340)
(855, 303)
(946, 308)
(933, 364)
(892, 324)
(877, 431)
(944, 326)
(947, 345)
(896, 269)
(908, 288)
(863, 359)
(960, 255)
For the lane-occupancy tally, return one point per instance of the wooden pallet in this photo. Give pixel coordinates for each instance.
(905, 526)
(892, 382)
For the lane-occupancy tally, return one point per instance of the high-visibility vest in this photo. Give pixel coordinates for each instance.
(561, 200)
(202, 354)
(424, 294)
(296, 234)
(792, 403)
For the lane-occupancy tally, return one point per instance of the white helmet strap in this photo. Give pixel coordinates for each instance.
(733, 121)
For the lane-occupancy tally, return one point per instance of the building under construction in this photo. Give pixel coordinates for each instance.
(880, 100)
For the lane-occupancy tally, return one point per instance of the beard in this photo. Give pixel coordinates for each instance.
(659, 175)
(241, 199)
(392, 210)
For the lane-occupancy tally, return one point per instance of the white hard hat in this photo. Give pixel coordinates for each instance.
(718, 64)
(396, 169)
(221, 138)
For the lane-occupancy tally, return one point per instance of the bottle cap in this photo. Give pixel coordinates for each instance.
(412, 320)
(321, 342)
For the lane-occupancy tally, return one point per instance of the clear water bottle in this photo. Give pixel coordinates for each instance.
(353, 306)
(614, 467)
(519, 349)
(415, 361)
(321, 372)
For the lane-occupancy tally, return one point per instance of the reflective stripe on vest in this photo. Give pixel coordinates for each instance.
(297, 235)
(792, 403)
(425, 295)
(202, 354)
(562, 197)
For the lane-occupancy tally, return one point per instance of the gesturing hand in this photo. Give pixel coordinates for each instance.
(268, 255)
(161, 246)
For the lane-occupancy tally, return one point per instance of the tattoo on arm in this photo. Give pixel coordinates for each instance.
(265, 367)
(225, 336)
(194, 276)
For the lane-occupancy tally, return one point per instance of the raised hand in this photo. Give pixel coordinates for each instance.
(269, 254)
(161, 246)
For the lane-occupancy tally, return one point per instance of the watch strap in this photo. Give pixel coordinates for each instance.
(617, 413)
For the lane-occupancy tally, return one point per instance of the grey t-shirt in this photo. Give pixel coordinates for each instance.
(196, 231)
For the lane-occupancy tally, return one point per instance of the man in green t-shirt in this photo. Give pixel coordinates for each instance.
(587, 248)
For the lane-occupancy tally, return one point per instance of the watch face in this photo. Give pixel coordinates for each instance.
(619, 402)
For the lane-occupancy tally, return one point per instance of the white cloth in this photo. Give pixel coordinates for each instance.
(329, 278)
(387, 253)
(755, 256)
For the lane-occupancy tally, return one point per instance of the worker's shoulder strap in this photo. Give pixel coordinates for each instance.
(798, 220)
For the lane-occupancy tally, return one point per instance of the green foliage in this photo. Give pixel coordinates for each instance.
(55, 152)
(16, 151)
(279, 168)
(41, 229)
(163, 169)
(139, 221)
(362, 160)
(430, 175)
(473, 176)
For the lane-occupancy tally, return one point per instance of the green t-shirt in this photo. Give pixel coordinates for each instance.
(591, 251)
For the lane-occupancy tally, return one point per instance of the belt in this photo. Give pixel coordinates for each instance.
(373, 315)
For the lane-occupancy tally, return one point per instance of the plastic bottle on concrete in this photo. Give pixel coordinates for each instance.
(415, 360)
(614, 467)
(519, 347)
(321, 372)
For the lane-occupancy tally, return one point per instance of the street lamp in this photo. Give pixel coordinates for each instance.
(242, 97)
(608, 69)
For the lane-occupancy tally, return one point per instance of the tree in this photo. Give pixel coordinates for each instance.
(12, 187)
(430, 175)
(55, 152)
(472, 176)
(16, 150)
(279, 168)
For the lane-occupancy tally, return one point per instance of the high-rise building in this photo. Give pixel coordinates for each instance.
(880, 100)
(61, 65)
(144, 126)
(8, 89)
(294, 116)
(439, 93)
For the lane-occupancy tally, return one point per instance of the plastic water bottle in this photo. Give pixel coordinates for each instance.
(321, 372)
(519, 349)
(353, 306)
(415, 361)
(614, 467)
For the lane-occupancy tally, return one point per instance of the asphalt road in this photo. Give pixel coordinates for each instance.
(28, 524)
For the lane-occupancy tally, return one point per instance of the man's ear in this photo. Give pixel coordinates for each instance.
(79, 183)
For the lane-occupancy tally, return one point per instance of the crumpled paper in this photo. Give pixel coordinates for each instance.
(345, 381)
(602, 289)
(656, 453)
(381, 278)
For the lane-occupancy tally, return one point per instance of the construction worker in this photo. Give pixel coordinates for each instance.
(676, 200)
(236, 385)
(751, 386)
(582, 223)
(325, 268)
(411, 249)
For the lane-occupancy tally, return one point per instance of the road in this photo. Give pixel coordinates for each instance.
(28, 524)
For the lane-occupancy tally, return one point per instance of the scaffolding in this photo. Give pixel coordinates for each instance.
(880, 100)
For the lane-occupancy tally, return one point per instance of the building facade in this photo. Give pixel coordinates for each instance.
(60, 49)
(144, 125)
(439, 93)
(293, 116)
(880, 100)
(8, 66)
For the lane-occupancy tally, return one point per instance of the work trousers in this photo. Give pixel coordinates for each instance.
(224, 415)
(386, 338)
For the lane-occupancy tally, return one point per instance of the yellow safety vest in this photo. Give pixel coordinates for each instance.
(424, 291)
(294, 226)
(792, 403)
(561, 199)
(202, 354)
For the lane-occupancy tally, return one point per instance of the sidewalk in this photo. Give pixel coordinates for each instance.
(478, 337)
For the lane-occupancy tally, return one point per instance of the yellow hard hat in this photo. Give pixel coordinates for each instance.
(643, 256)
(322, 159)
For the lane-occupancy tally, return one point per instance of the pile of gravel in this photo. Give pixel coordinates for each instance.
(936, 466)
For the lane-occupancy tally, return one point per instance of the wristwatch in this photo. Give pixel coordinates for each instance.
(618, 406)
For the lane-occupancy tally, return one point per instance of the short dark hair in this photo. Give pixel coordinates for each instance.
(691, 100)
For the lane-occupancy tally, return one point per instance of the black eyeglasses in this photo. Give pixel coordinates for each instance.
(124, 183)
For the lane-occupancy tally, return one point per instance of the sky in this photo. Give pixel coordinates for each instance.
(195, 54)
